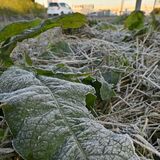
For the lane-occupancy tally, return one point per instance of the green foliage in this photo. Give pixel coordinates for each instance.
(112, 77)
(103, 89)
(5, 59)
(106, 91)
(90, 103)
(135, 20)
(105, 26)
(20, 7)
(62, 73)
(90, 100)
(17, 28)
(75, 20)
(72, 21)
(48, 119)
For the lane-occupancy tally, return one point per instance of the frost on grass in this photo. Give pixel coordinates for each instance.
(37, 46)
(49, 120)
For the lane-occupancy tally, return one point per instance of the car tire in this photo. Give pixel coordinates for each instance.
(49, 15)
(62, 13)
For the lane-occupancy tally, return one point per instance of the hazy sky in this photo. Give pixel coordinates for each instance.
(107, 3)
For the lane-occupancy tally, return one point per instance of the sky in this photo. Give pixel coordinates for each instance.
(108, 4)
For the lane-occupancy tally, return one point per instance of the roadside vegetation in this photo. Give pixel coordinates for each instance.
(17, 9)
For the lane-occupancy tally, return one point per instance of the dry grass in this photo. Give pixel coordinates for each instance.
(135, 110)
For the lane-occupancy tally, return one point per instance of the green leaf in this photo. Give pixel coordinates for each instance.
(112, 77)
(103, 89)
(90, 103)
(75, 20)
(90, 100)
(49, 120)
(106, 91)
(17, 28)
(60, 74)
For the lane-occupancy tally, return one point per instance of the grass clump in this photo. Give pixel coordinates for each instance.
(105, 26)
(73, 21)
(135, 20)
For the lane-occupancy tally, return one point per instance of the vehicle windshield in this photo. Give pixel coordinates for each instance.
(53, 4)
(64, 5)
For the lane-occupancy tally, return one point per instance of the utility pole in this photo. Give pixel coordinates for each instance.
(155, 1)
(122, 4)
(138, 5)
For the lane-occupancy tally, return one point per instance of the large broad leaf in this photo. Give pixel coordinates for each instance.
(16, 28)
(49, 120)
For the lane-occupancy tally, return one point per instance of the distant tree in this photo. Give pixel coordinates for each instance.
(156, 11)
(138, 5)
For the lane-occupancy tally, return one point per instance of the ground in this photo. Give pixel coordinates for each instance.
(122, 66)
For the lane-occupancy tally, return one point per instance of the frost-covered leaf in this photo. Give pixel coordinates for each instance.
(67, 75)
(103, 89)
(16, 28)
(60, 49)
(106, 90)
(112, 77)
(49, 121)
(75, 20)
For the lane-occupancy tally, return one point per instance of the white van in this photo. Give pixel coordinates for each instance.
(58, 8)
